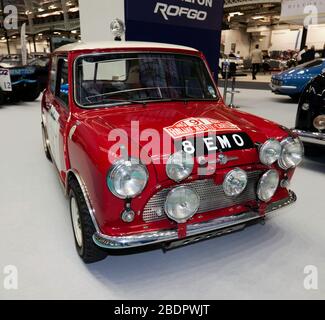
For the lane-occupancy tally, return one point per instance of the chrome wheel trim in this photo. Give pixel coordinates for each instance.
(76, 222)
(45, 140)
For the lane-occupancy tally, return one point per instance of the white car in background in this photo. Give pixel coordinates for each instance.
(238, 61)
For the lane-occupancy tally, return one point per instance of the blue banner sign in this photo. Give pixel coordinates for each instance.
(188, 13)
(22, 71)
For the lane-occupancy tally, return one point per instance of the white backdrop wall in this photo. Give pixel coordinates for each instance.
(316, 36)
(285, 39)
(240, 38)
(96, 16)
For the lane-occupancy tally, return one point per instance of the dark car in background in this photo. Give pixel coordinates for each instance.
(310, 121)
(27, 82)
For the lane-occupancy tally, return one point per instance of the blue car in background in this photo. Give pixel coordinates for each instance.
(292, 82)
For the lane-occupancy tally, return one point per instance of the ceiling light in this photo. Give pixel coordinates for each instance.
(40, 9)
(74, 9)
(52, 7)
(257, 17)
(232, 14)
(74, 31)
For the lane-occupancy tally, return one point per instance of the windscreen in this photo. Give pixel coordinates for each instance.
(110, 79)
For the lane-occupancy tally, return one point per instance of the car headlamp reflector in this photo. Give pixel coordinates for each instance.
(127, 178)
(179, 166)
(181, 204)
(292, 153)
(319, 122)
(270, 152)
(268, 185)
(235, 182)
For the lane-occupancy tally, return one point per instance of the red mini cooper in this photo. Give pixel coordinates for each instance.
(150, 155)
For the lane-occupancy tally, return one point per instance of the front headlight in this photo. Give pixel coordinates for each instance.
(268, 185)
(270, 152)
(181, 204)
(235, 182)
(319, 122)
(292, 153)
(127, 179)
(179, 166)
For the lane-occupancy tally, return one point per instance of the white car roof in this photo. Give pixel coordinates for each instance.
(119, 45)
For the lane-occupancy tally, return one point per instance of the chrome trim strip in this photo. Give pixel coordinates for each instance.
(276, 87)
(310, 137)
(85, 194)
(150, 238)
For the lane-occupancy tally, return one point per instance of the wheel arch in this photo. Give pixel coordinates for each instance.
(73, 174)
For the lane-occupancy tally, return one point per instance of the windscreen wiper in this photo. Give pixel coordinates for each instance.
(123, 100)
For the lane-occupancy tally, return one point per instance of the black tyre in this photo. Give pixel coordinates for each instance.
(14, 98)
(295, 97)
(313, 150)
(46, 144)
(83, 227)
(2, 98)
(30, 94)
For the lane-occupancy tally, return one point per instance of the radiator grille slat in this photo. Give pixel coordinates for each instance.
(211, 195)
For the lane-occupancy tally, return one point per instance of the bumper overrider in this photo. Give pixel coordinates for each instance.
(310, 137)
(195, 232)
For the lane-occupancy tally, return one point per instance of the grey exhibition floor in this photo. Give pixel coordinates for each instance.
(260, 262)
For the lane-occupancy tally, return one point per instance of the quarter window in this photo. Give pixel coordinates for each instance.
(62, 86)
(53, 74)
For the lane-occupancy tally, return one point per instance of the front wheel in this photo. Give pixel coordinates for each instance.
(314, 150)
(83, 227)
(30, 94)
(2, 98)
(46, 144)
(295, 97)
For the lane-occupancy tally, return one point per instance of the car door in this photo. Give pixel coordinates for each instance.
(58, 111)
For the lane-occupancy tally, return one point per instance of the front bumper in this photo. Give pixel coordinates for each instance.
(285, 90)
(310, 137)
(195, 232)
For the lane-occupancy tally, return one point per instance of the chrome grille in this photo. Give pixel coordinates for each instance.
(211, 195)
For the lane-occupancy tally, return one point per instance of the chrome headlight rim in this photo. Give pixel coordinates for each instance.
(262, 180)
(226, 179)
(173, 191)
(270, 144)
(319, 122)
(285, 142)
(170, 163)
(116, 167)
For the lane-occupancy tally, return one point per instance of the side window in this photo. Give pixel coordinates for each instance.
(53, 74)
(314, 63)
(62, 86)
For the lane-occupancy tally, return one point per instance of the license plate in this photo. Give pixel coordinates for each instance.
(199, 146)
